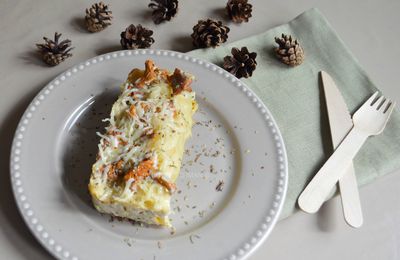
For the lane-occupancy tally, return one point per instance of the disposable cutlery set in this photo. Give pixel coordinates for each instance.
(348, 135)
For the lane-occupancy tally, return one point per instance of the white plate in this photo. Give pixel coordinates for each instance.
(55, 145)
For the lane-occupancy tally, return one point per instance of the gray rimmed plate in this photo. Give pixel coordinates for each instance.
(231, 188)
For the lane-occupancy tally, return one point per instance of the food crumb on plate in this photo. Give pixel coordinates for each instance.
(192, 238)
(202, 213)
(212, 205)
(128, 241)
(220, 186)
(211, 168)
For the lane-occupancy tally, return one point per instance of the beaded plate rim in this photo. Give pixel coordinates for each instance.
(61, 252)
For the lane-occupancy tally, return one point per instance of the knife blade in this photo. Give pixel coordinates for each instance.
(340, 123)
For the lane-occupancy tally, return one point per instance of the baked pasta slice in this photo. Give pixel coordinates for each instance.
(141, 152)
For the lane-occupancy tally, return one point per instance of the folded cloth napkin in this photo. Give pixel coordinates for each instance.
(295, 99)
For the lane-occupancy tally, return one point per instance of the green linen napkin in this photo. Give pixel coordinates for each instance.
(295, 99)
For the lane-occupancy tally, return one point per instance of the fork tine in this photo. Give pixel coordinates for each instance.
(378, 102)
(372, 98)
(382, 104)
(385, 103)
(389, 108)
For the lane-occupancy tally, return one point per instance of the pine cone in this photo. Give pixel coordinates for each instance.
(98, 17)
(239, 10)
(242, 63)
(135, 37)
(163, 10)
(54, 52)
(289, 50)
(209, 33)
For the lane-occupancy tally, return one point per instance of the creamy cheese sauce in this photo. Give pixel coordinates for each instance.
(149, 122)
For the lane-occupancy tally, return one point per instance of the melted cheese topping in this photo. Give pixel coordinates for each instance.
(149, 122)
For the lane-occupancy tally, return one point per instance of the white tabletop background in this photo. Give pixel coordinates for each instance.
(370, 28)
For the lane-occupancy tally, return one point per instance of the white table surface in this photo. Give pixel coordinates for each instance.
(369, 27)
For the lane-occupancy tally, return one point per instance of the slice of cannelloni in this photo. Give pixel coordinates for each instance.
(141, 151)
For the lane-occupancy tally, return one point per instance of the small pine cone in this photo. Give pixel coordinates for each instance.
(163, 10)
(136, 37)
(209, 33)
(239, 10)
(98, 17)
(289, 50)
(242, 63)
(54, 52)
